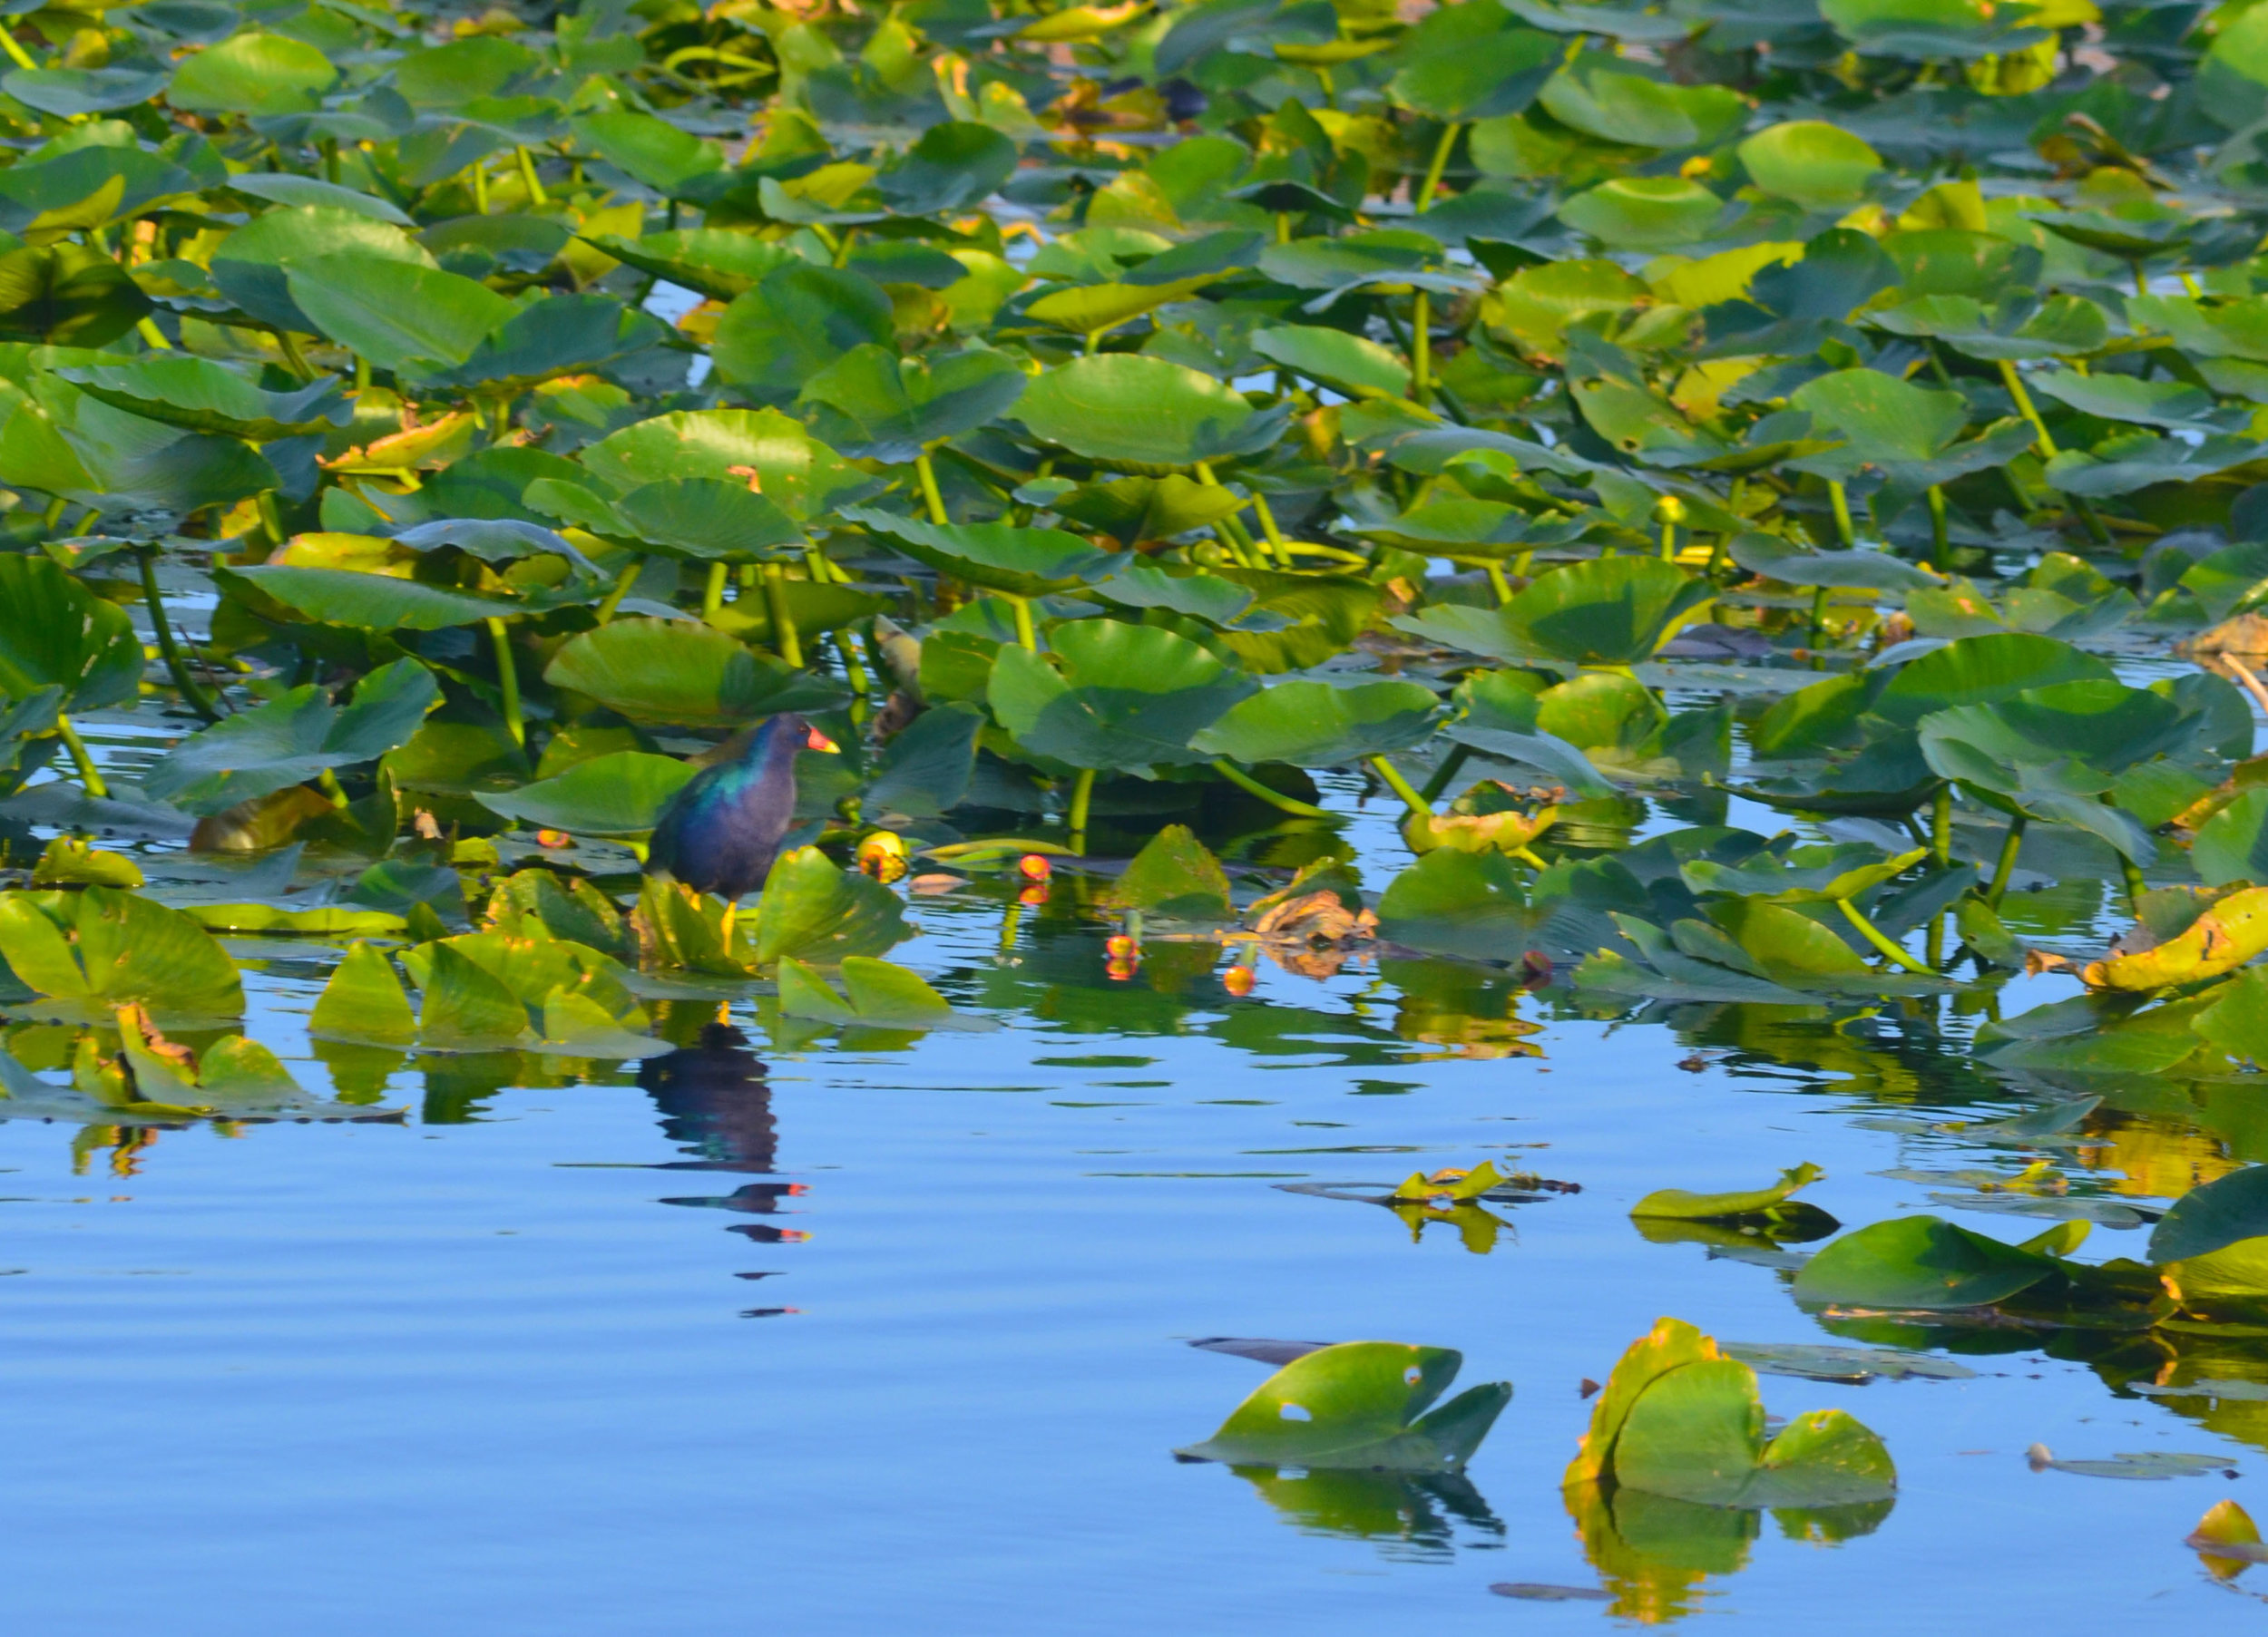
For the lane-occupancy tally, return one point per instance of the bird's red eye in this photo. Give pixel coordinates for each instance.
(820, 741)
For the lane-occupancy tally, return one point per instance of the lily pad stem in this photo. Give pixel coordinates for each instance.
(784, 633)
(329, 780)
(1819, 617)
(1027, 635)
(2132, 872)
(1941, 825)
(527, 175)
(1844, 529)
(1401, 787)
(2045, 443)
(1274, 798)
(1422, 346)
(194, 696)
(2006, 865)
(930, 496)
(1451, 763)
(1082, 798)
(21, 58)
(1276, 542)
(89, 774)
(508, 680)
(623, 583)
(1441, 163)
(1872, 934)
(1940, 551)
(713, 593)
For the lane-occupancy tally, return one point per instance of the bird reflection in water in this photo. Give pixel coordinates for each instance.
(717, 1106)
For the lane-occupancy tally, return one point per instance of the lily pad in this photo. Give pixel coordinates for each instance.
(1359, 1405)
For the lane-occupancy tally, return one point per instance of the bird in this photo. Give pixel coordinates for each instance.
(720, 832)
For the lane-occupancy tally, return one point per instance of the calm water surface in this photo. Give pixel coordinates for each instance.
(839, 1340)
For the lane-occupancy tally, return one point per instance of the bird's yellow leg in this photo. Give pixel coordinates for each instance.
(732, 908)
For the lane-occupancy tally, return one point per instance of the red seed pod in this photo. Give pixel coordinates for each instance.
(1119, 946)
(1034, 866)
(1238, 980)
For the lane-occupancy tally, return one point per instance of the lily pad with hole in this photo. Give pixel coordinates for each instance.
(1359, 1405)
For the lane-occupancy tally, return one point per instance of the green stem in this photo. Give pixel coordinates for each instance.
(1276, 542)
(1940, 551)
(507, 680)
(1941, 825)
(1027, 635)
(1451, 763)
(194, 697)
(713, 593)
(1934, 950)
(480, 188)
(329, 780)
(1501, 587)
(1401, 787)
(527, 175)
(1868, 930)
(2132, 872)
(623, 583)
(90, 775)
(1082, 798)
(21, 58)
(1422, 346)
(2047, 445)
(1441, 163)
(1274, 798)
(935, 501)
(1819, 617)
(785, 636)
(1843, 530)
(2006, 865)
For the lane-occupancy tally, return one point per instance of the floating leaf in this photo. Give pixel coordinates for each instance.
(877, 995)
(1359, 1405)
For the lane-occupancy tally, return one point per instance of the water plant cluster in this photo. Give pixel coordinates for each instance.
(1772, 498)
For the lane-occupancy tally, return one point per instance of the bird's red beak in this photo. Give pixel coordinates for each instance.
(820, 741)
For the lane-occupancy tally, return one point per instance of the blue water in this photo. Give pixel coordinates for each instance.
(481, 1375)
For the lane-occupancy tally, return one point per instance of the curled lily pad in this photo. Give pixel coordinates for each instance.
(1678, 1203)
(1680, 1420)
(1360, 1405)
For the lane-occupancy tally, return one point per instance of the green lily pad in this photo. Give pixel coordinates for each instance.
(1918, 1263)
(1022, 562)
(1609, 611)
(1120, 696)
(619, 794)
(293, 738)
(1141, 410)
(1320, 725)
(1359, 1405)
(89, 951)
(877, 994)
(667, 670)
(1676, 1203)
